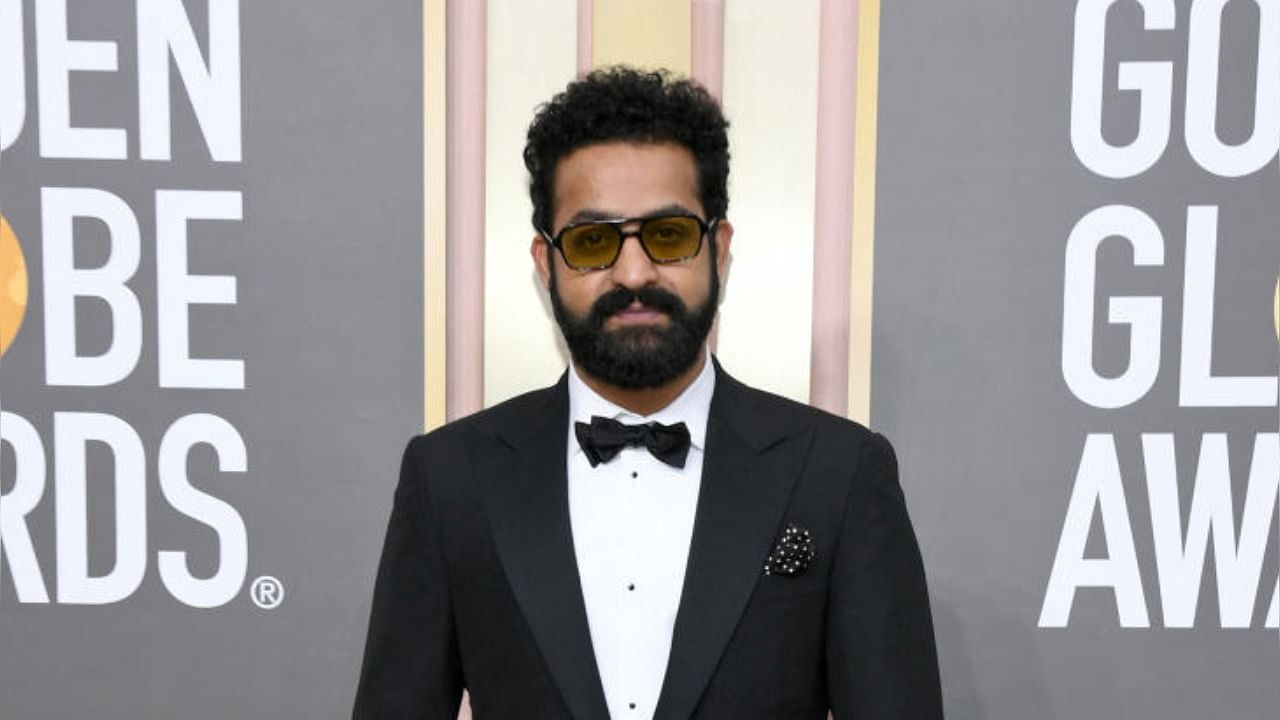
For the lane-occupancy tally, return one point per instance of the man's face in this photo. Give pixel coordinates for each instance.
(636, 324)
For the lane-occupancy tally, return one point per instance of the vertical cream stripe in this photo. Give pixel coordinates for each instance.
(1276, 312)
(707, 67)
(532, 55)
(864, 208)
(771, 99)
(646, 33)
(433, 205)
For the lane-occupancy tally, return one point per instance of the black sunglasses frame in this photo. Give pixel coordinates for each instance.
(704, 227)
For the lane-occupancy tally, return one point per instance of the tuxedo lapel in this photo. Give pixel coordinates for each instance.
(748, 474)
(527, 495)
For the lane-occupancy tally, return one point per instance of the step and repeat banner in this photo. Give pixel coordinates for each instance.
(212, 328)
(1075, 348)
(211, 305)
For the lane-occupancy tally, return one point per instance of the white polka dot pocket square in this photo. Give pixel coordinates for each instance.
(791, 554)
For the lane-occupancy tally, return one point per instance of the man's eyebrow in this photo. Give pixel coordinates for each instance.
(672, 209)
(593, 215)
(590, 215)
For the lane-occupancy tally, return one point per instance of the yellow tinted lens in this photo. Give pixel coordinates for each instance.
(671, 238)
(588, 246)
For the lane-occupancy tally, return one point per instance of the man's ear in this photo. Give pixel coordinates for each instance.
(541, 260)
(724, 237)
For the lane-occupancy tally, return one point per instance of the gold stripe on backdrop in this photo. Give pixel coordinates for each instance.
(647, 33)
(433, 204)
(1276, 312)
(864, 209)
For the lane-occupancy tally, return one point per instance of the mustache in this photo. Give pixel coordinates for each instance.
(621, 298)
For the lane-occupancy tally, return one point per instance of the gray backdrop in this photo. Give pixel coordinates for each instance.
(327, 261)
(979, 189)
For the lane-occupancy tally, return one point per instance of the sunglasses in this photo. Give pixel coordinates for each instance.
(596, 244)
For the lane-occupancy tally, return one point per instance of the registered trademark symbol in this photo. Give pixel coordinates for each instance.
(267, 592)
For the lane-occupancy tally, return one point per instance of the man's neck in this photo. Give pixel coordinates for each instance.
(646, 401)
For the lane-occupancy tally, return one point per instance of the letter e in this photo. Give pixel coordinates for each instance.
(176, 290)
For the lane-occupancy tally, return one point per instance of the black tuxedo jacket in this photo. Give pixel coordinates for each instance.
(478, 586)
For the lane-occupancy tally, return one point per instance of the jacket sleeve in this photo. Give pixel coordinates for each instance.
(411, 663)
(881, 660)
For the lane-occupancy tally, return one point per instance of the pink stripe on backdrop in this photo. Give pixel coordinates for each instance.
(464, 364)
(707, 51)
(585, 33)
(833, 205)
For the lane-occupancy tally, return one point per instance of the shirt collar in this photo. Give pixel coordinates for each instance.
(691, 407)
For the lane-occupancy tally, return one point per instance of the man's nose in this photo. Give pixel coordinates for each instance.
(633, 268)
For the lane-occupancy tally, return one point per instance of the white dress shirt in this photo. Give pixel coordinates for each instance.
(632, 519)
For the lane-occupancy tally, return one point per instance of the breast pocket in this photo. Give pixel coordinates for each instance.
(792, 599)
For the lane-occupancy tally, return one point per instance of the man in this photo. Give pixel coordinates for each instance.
(723, 553)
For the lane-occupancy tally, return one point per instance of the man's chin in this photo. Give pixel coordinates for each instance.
(632, 341)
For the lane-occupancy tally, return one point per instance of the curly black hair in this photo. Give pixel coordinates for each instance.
(623, 103)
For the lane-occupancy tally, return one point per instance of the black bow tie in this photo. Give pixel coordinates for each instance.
(604, 438)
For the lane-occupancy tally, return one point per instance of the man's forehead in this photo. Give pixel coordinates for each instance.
(626, 179)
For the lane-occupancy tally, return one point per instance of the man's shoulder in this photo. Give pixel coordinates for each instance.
(509, 418)
(757, 405)
(842, 455)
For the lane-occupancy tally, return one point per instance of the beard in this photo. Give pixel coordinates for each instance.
(637, 358)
